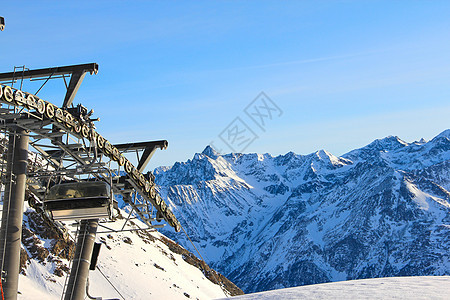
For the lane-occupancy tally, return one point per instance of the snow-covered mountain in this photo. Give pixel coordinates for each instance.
(131, 265)
(273, 222)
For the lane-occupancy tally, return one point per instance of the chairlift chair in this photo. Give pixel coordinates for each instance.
(79, 201)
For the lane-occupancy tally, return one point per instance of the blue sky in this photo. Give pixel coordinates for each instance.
(343, 72)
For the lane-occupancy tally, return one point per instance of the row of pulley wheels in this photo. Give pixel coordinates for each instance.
(78, 127)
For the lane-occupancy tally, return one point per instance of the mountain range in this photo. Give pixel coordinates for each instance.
(270, 222)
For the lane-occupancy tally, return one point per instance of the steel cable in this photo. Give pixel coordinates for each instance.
(212, 271)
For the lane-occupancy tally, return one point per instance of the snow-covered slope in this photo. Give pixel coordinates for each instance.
(272, 222)
(419, 287)
(131, 265)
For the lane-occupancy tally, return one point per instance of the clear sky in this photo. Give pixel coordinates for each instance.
(343, 73)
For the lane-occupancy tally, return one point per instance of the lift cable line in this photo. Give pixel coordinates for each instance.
(109, 281)
(198, 252)
(70, 151)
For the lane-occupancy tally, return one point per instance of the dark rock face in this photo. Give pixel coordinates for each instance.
(271, 222)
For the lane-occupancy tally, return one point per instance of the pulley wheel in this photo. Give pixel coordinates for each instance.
(115, 153)
(1, 91)
(69, 120)
(77, 127)
(59, 115)
(163, 206)
(147, 186)
(128, 167)
(19, 97)
(152, 193)
(49, 110)
(177, 227)
(171, 218)
(8, 94)
(85, 131)
(121, 160)
(142, 180)
(30, 102)
(158, 199)
(100, 141)
(40, 106)
(108, 148)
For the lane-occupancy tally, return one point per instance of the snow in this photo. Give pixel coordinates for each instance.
(139, 267)
(381, 210)
(420, 287)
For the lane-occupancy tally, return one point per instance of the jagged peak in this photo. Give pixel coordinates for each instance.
(209, 151)
(288, 158)
(388, 143)
(198, 156)
(323, 154)
(422, 141)
(161, 169)
(443, 134)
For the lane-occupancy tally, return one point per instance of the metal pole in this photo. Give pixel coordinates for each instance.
(76, 288)
(12, 215)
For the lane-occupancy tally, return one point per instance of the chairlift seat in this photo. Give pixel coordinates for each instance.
(79, 201)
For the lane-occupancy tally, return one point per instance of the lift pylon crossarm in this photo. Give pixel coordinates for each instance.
(148, 147)
(162, 144)
(92, 68)
(77, 71)
(46, 113)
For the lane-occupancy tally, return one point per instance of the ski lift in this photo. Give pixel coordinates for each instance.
(79, 201)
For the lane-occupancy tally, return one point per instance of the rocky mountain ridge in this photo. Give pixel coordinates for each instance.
(272, 222)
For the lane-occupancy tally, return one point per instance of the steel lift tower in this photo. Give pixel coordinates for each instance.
(66, 140)
(64, 137)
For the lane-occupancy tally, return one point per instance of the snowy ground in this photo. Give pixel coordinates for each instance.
(136, 267)
(137, 270)
(420, 287)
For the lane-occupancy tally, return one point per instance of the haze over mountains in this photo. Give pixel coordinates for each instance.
(272, 222)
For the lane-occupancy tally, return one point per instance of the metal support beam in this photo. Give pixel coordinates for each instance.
(145, 158)
(141, 145)
(47, 72)
(148, 147)
(77, 71)
(76, 288)
(72, 89)
(12, 215)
